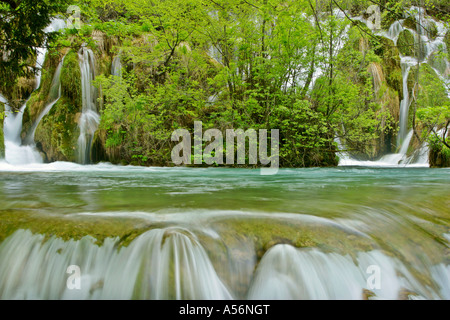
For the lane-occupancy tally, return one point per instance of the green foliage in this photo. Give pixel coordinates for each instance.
(22, 26)
(236, 64)
(305, 135)
(71, 78)
(439, 152)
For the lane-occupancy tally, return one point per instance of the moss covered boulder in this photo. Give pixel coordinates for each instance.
(439, 156)
(71, 78)
(405, 43)
(409, 44)
(40, 98)
(390, 55)
(410, 23)
(431, 30)
(58, 131)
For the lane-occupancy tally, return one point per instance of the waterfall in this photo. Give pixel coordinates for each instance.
(428, 53)
(406, 64)
(309, 274)
(89, 119)
(15, 152)
(160, 264)
(394, 31)
(171, 263)
(116, 68)
(55, 25)
(54, 96)
(400, 157)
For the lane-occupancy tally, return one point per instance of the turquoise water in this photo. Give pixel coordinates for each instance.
(398, 217)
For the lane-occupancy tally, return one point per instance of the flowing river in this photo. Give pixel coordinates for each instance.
(108, 232)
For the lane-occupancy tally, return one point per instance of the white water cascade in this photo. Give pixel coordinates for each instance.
(406, 63)
(159, 264)
(56, 25)
(429, 53)
(89, 119)
(116, 67)
(289, 273)
(171, 263)
(17, 153)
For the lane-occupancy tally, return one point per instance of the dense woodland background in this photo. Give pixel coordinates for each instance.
(298, 66)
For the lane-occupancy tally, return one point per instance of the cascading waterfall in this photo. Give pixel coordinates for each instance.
(53, 98)
(428, 47)
(400, 157)
(89, 119)
(394, 31)
(170, 263)
(116, 68)
(56, 25)
(17, 153)
(159, 264)
(406, 64)
(289, 273)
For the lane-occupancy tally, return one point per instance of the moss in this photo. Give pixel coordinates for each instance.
(439, 156)
(390, 56)
(71, 227)
(264, 233)
(39, 98)
(58, 132)
(410, 23)
(405, 43)
(432, 31)
(71, 79)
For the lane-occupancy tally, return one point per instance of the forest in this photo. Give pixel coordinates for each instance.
(314, 70)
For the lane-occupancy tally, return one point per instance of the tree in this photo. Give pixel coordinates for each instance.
(22, 24)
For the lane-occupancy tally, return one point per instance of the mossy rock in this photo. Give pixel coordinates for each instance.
(438, 159)
(405, 43)
(71, 228)
(71, 79)
(390, 55)
(410, 23)
(431, 30)
(39, 98)
(264, 233)
(58, 131)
